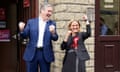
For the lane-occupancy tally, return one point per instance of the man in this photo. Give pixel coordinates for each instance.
(40, 31)
(103, 27)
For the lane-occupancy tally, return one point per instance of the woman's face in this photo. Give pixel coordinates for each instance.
(75, 27)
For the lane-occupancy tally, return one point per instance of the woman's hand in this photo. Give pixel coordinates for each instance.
(85, 18)
(67, 35)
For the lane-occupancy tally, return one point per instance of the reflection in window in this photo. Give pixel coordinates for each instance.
(104, 28)
(117, 28)
(109, 17)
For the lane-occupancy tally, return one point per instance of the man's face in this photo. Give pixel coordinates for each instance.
(47, 12)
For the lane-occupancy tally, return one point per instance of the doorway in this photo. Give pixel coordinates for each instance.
(11, 46)
(8, 45)
(107, 36)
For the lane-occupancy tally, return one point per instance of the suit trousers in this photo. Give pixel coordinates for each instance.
(38, 61)
(73, 64)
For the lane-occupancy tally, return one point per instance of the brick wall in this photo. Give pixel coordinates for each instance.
(64, 11)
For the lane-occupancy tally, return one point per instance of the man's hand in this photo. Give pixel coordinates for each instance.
(21, 26)
(52, 29)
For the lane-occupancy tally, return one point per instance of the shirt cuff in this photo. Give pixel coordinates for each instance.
(87, 22)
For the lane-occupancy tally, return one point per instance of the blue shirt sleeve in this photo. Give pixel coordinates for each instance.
(104, 30)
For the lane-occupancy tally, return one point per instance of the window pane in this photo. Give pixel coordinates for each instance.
(109, 17)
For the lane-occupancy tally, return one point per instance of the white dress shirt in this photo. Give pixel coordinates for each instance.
(41, 31)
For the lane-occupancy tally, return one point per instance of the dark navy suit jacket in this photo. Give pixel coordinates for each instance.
(31, 32)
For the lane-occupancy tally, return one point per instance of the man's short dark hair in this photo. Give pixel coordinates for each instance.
(101, 19)
(44, 5)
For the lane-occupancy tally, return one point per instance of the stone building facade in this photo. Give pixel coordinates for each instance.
(64, 11)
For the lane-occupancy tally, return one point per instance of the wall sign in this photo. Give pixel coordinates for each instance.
(4, 35)
(2, 24)
(26, 3)
(2, 14)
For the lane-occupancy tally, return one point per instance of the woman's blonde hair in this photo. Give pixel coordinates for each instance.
(71, 21)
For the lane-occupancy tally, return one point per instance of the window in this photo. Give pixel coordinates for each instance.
(109, 17)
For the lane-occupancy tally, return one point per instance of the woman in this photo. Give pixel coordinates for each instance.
(76, 53)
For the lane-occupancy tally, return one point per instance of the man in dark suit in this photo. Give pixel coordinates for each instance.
(103, 27)
(40, 31)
